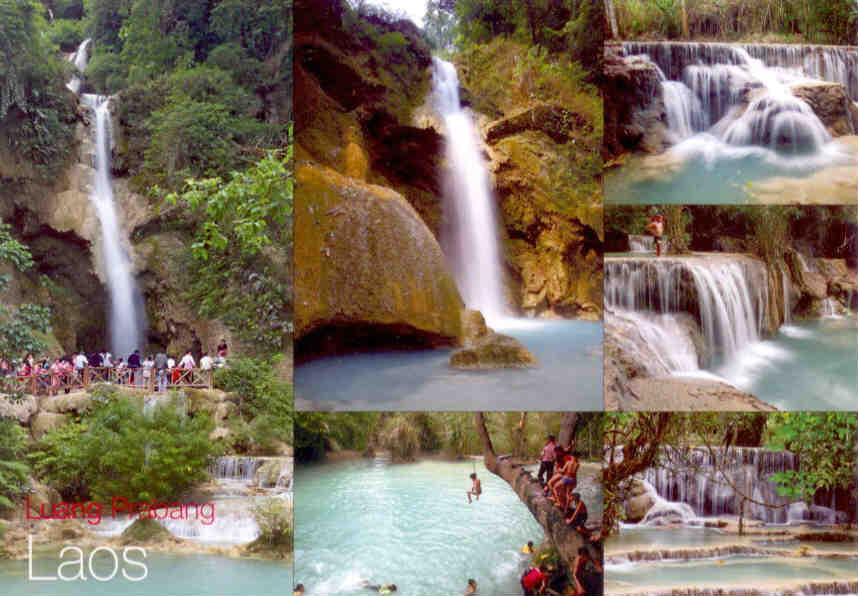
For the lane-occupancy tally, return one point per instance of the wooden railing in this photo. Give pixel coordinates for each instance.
(52, 384)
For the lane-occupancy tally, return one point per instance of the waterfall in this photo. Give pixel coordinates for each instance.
(641, 243)
(127, 318)
(728, 295)
(741, 95)
(79, 59)
(471, 240)
(703, 481)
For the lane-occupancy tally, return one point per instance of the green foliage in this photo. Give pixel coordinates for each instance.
(265, 404)
(116, 450)
(439, 24)
(319, 432)
(825, 445)
(274, 518)
(67, 34)
(14, 472)
(35, 109)
(832, 21)
(20, 327)
(571, 28)
(240, 255)
(401, 437)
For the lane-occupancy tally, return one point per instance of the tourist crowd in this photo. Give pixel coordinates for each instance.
(158, 371)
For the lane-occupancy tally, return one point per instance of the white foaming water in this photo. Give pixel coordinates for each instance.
(641, 244)
(80, 59)
(472, 244)
(719, 98)
(127, 318)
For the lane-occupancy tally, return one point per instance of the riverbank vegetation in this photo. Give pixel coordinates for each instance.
(408, 436)
(824, 442)
(799, 21)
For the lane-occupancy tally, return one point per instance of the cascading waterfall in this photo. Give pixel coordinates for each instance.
(702, 481)
(729, 297)
(127, 318)
(705, 88)
(640, 243)
(471, 244)
(786, 283)
(79, 59)
(126, 312)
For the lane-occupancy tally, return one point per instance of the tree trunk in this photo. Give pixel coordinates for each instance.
(612, 19)
(567, 428)
(684, 10)
(520, 443)
(565, 539)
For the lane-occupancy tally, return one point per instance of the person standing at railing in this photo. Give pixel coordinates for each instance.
(161, 371)
(222, 349)
(148, 366)
(206, 362)
(187, 362)
(134, 366)
(106, 359)
(80, 363)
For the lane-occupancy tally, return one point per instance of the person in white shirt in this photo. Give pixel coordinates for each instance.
(107, 359)
(80, 362)
(187, 362)
(148, 367)
(206, 362)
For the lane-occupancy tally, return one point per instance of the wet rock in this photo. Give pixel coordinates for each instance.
(370, 266)
(493, 351)
(474, 327)
(638, 502)
(831, 104)
(64, 403)
(559, 123)
(634, 105)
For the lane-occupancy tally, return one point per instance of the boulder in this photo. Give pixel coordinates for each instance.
(370, 268)
(492, 352)
(638, 502)
(831, 104)
(44, 422)
(64, 403)
(474, 327)
(21, 410)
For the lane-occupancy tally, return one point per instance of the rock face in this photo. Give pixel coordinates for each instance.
(634, 107)
(831, 104)
(369, 267)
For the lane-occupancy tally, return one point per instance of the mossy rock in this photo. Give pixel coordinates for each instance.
(145, 531)
(493, 352)
(368, 261)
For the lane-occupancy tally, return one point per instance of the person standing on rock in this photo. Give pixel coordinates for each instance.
(546, 460)
(655, 228)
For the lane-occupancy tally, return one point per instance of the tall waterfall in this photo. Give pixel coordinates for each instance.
(728, 295)
(127, 318)
(741, 95)
(704, 481)
(471, 239)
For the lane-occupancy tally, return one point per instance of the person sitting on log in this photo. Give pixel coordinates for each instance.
(577, 514)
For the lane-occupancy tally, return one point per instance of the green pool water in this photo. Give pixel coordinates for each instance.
(408, 524)
(169, 575)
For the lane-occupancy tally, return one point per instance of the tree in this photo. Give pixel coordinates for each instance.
(824, 443)
(241, 251)
(566, 540)
(14, 473)
(677, 219)
(21, 327)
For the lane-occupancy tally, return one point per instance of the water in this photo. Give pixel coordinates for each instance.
(806, 364)
(568, 376)
(79, 59)
(730, 572)
(408, 524)
(732, 119)
(169, 575)
(471, 239)
(816, 366)
(127, 317)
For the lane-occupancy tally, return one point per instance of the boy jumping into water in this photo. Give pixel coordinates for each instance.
(476, 488)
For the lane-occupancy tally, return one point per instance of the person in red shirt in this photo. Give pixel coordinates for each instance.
(535, 580)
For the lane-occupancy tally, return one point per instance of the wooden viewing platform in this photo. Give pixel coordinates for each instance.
(48, 383)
